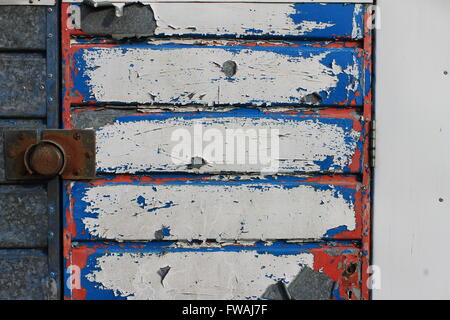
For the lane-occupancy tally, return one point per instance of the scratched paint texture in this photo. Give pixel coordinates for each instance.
(184, 74)
(270, 19)
(165, 271)
(235, 20)
(303, 142)
(178, 208)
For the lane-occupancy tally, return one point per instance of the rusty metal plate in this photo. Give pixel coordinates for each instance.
(16, 143)
(79, 149)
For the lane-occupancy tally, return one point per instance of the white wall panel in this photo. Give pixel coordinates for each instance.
(412, 196)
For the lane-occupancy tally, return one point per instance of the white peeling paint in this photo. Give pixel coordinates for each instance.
(196, 275)
(249, 212)
(233, 19)
(357, 33)
(147, 145)
(194, 75)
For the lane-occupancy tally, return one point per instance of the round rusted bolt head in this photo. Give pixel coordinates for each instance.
(77, 136)
(45, 158)
(350, 269)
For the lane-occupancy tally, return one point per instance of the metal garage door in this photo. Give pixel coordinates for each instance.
(232, 150)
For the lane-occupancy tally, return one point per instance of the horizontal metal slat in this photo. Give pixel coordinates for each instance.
(181, 271)
(239, 140)
(222, 208)
(227, 74)
(297, 20)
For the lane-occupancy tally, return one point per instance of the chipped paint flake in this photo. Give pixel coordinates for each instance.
(357, 32)
(186, 211)
(195, 275)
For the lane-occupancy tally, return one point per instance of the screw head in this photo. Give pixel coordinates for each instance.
(350, 269)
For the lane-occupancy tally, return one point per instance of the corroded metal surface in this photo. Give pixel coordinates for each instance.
(23, 27)
(16, 143)
(45, 158)
(79, 152)
(137, 21)
(22, 85)
(23, 216)
(69, 153)
(24, 275)
(28, 100)
(6, 125)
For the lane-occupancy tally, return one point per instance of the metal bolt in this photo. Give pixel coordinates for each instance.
(229, 68)
(50, 99)
(50, 75)
(50, 10)
(350, 269)
(44, 158)
(53, 275)
(51, 234)
(42, 87)
(50, 35)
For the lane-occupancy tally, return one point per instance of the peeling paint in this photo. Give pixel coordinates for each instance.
(245, 19)
(186, 211)
(305, 143)
(237, 19)
(197, 74)
(188, 74)
(195, 275)
(133, 270)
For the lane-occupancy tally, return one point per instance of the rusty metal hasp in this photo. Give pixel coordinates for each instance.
(68, 153)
